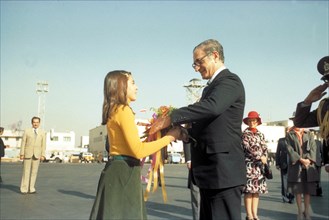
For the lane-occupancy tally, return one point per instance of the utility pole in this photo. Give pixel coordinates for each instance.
(42, 89)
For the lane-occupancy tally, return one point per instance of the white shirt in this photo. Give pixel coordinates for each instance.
(215, 74)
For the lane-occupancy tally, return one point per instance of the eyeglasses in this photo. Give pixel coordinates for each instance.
(198, 62)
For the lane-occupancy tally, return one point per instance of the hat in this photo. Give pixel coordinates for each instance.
(323, 68)
(251, 115)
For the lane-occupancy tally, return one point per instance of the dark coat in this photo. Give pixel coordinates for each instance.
(281, 155)
(306, 118)
(2, 148)
(217, 155)
(308, 150)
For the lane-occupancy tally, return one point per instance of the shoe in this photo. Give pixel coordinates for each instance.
(33, 192)
(285, 199)
(24, 193)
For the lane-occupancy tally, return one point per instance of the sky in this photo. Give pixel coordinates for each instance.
(274, 47)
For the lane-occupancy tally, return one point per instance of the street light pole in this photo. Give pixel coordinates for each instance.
(42, 89)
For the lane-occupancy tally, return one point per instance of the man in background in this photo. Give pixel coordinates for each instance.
(281, 162)
(2, 148)
(194, 190)
(33, 150)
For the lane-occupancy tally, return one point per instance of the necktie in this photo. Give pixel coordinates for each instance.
(35, 133)
(205, 89)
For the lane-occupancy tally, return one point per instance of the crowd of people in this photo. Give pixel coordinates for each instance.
(213, 140)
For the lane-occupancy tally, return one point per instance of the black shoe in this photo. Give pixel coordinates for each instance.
(285, 199)
(24, 193)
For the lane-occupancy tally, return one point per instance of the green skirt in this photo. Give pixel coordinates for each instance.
(119, 194)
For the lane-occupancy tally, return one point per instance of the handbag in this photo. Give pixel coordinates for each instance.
(267, 172)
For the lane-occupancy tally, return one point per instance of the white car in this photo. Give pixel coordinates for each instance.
(174, 158)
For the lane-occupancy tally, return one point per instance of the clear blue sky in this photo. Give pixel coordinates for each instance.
(274, 46)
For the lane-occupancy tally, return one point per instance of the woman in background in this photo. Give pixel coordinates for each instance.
(119, 194)
(302, 171)
(255, 149)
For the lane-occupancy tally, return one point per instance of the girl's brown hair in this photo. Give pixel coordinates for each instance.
(115, 92)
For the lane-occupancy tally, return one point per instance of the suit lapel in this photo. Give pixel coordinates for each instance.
(218, 77)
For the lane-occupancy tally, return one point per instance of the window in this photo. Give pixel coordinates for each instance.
(67, 139)
(55, 138)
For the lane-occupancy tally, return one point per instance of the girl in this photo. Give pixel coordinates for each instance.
(119, 193)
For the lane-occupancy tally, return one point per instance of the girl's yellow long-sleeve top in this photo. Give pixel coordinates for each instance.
(124, 138)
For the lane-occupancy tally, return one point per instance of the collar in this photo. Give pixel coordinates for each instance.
(215, 74)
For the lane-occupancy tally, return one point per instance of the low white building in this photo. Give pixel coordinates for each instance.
(60, 141)
(56, 142)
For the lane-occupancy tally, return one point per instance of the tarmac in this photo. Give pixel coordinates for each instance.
(67, 191)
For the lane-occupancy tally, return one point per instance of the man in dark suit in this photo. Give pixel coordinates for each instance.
(281, 162)
(319, 117)
(194, 190)
(2, 148)
(218, 167)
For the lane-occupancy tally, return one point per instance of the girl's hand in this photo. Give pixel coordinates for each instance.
(174, 133)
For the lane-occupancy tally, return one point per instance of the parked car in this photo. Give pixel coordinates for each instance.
(86, 157)
(74, 158)
(174, 158)
(54, 157)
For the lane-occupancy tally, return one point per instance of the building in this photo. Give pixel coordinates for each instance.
(97, 140)
(56, 142)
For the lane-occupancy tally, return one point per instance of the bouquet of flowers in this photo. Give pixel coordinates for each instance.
(157, 166)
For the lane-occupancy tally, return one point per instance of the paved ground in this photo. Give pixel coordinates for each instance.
(67, 191)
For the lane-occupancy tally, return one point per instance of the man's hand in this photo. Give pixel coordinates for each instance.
(159, 124)
(184, 136)
(316, 94)
(188, 164)
(42, 158)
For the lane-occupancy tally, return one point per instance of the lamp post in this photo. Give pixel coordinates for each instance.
(42, 89)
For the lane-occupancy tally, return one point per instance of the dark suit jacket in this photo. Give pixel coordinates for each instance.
(305, 118)
(217, 156)
(2, 148)
(281, 154)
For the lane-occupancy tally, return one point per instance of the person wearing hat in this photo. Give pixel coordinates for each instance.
(253, 142)
(319, 117)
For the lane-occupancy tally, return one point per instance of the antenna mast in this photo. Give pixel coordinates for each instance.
(193, 90)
